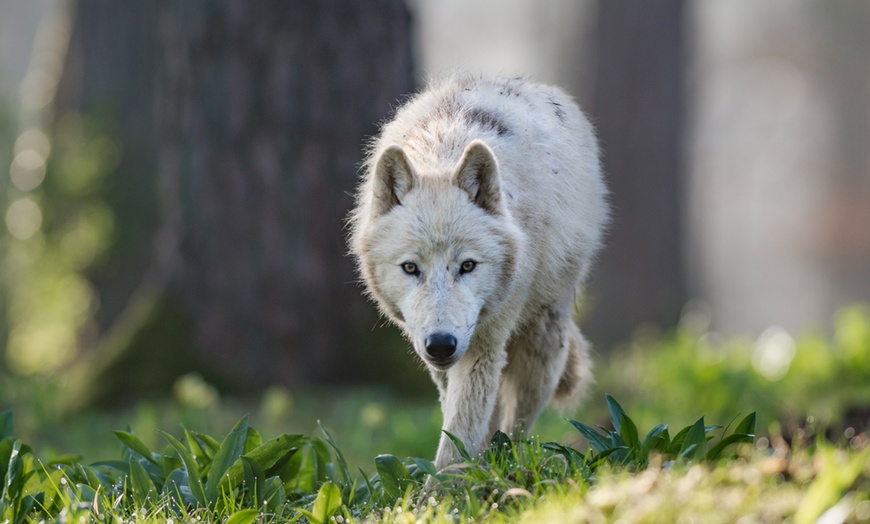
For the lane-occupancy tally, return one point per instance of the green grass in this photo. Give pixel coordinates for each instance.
(242, 477)
(610, 468)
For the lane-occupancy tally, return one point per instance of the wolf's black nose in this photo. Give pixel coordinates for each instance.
(440, 346)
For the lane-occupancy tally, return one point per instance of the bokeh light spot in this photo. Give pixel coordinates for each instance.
(23, 218)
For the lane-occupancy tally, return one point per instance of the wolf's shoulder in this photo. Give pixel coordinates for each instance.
(453, 110)
(456, 93)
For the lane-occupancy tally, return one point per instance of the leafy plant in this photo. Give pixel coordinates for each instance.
(786, 378)
(623, 446)
(243, 478)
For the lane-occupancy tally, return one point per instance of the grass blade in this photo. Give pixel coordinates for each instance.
(339, 456)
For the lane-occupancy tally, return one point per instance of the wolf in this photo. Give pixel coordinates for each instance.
(480, 210)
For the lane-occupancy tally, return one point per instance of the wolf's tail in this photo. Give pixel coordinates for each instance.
(577, 376)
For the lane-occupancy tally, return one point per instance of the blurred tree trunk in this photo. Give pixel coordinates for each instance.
(253, 115)
(638, 110)
(264, 107)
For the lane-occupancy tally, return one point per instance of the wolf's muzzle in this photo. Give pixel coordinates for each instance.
(440, 347)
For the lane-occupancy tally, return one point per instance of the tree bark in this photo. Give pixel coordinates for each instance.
(264, 107)
(637, 109)
(241, 126)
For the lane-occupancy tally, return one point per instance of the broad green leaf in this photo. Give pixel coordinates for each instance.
(460, 447)
(200, 451)
(656, 436)
(212, 444)
(677, 442)
(134, 444)
(328, 501)
(425, 466)
(5, 453)
(253, 440)
(694, 446)
(710, 428)
(274, 494)
(243, 516)
(14, 480)
(596, 440)
(322, 460)
(307, 475)
(6, 424)
(271, 456)
(734, 438)
(628, 432)
(500, 446)
(255, 482)
(193, 479)
(177, 487)
(394, 476)
(144, 492)
(52, 490)
(616, 412)
(747, 425)
(229, 452)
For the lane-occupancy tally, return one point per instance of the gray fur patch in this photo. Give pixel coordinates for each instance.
(487, 120)
(557, 109)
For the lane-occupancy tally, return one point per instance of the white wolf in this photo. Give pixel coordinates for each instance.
(480, 211)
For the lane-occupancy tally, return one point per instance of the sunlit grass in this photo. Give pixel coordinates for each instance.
(704, 473)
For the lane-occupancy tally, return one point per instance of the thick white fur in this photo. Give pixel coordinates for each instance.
(503, 172)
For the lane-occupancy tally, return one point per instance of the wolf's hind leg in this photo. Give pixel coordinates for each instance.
(577, 376)
(536, 360)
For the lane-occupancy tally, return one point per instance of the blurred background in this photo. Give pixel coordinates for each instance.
(177, 174)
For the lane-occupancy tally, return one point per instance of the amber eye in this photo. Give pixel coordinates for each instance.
(410, 268)
(467, 267)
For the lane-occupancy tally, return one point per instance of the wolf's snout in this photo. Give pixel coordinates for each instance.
(440, 346)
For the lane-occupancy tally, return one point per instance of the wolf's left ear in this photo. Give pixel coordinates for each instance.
(393, 179)
(477, 175)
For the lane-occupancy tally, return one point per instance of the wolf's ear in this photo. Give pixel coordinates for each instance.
(393, 179)
(477, 175)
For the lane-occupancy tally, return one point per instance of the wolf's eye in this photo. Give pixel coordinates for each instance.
(410, 268)
(467, 267)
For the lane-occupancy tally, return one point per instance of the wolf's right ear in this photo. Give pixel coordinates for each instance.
(393, 179)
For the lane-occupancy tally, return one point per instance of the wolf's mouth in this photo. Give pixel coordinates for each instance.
(442, 365)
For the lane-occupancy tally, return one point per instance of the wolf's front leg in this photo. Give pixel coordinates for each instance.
(469, 402)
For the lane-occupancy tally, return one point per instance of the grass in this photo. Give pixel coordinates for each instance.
(810, 462)
(701, 471)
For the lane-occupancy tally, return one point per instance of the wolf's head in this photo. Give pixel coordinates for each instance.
(437, 249)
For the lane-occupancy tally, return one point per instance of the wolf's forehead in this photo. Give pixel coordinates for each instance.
(445, 237)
